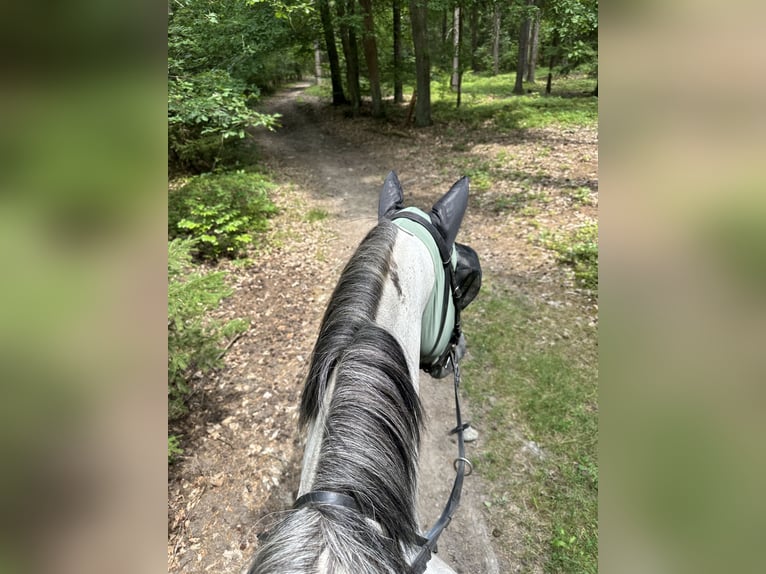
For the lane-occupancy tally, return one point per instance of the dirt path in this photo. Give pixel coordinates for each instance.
(346, 179)
(243, 453)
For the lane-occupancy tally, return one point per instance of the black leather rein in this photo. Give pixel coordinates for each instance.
(420, 563)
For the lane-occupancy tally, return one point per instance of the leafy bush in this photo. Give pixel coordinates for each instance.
(206, 110)
(580, 250)
(194, 342)
(174, 448)
(220, 211)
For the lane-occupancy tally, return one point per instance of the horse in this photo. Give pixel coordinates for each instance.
(395, 309)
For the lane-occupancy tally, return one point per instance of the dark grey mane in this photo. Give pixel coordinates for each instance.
(372, 433)
(354, 303)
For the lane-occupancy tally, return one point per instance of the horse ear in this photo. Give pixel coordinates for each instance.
(447, 213)
(391, 196)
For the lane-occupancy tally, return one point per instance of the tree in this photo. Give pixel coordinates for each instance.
(534, 44)
(521, 64)
(220, 54)
(350, 52)
(371, 56)
(573, 29)
(419, 18)
(455, 81)
(338, 98)
(496, 39)
(474, 23)
(552, 62)
(397, 22)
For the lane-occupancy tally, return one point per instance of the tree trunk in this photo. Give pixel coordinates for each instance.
(455, 80)
(460, 62)
(398, 95)
(317, 63)
(595, 90)
(474, 37)
(353, 46)
(445, 33)
(371, 56)
(419, 17)
(351, 55)
(534, 46)
(551, 63)
(496, 40)
(332, 54)
(521, 64)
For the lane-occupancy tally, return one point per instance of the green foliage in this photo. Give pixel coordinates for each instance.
(204, 111)
(580, 250)
(221, 54)
(243, 38)
(194, 342)
(174, 449)
(221, 212)
(574, 26)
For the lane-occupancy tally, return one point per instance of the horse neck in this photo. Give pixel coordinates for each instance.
(371, 456)
(405, 294)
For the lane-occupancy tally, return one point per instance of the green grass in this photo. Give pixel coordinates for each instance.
(578, 249)
(324, 90)
(316, 214)
(533, 377)
(489, 101)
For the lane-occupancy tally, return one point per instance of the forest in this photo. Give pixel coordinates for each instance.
(223, 55)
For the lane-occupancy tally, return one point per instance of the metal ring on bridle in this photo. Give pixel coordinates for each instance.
(465, 460)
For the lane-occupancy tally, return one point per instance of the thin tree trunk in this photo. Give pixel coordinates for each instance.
(534, 46)
(338, 98)
(353, 46)
(317, 63)
(496, 40)
(398, 92)
(552, 62)
(460, 62)
(474, 37)
(351, 56)
(371, 56)
(521, 63)
(455, 80)
(445, 32)
(595, 90)
(419, 17)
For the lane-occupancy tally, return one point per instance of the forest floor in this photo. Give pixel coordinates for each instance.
(242, 452)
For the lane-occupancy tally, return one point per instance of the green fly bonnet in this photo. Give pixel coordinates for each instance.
(456, 267)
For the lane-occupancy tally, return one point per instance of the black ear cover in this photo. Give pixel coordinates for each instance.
(391, 196)
(447, 213)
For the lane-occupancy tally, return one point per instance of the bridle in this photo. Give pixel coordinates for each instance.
(427, 543)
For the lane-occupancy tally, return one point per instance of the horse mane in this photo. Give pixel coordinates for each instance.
(354, 303)
(371, 437)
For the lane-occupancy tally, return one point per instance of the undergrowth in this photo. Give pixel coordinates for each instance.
(489, 102)
(221, 212)
(195, 343)
(579, 250)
